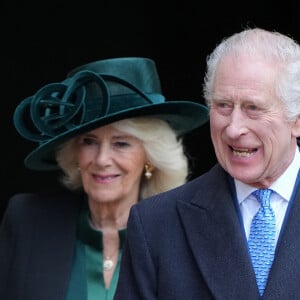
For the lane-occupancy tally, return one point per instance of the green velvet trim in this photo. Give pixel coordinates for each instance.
(92, 240)
(77, 290)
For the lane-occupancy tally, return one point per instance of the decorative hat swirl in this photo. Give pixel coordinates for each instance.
(60, 107)
(95, 95)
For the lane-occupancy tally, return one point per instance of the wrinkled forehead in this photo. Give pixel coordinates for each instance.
(245, 78)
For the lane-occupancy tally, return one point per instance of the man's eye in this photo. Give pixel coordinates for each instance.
(223, 105)
(223, 108)
(252, 107)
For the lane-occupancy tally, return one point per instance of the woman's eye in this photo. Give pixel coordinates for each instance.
(88, 141)
(121, 144)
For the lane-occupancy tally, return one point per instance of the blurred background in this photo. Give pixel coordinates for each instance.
(42, 42)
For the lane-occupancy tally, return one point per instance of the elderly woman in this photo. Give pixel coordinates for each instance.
(116, 139)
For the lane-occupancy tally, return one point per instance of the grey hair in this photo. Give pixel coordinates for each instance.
(282, 50)
(164, 150)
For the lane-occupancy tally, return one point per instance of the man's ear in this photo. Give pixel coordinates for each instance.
(296, 127)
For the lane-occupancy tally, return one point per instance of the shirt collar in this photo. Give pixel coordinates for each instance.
(283, 186)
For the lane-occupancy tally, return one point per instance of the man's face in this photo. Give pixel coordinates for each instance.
(252, 138)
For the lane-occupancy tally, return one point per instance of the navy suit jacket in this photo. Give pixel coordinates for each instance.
(37, 239)
(189, 244)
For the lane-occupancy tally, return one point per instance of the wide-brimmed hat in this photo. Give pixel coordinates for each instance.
(96, 94)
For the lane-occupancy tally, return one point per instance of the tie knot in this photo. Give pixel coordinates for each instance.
(263, 196)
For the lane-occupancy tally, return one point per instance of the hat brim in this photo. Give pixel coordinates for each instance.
(183, 116)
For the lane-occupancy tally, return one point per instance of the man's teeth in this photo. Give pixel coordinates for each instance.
(243, 152)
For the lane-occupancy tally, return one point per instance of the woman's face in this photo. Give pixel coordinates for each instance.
(111, 165)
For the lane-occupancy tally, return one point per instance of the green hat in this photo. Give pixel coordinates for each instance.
(94, 95)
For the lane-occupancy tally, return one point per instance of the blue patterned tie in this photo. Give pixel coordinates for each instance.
(262, 238)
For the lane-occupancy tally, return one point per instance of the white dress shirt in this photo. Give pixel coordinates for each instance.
(283, 187)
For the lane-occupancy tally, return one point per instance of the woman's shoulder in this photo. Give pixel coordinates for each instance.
(32, 202)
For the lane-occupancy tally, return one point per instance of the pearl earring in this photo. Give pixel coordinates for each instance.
(148, 170)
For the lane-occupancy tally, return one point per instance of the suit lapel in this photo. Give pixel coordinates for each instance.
(284, 275)
(53, 245)
(217, 240)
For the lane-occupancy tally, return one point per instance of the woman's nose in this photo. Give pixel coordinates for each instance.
(104, 154)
